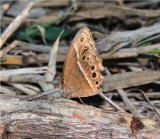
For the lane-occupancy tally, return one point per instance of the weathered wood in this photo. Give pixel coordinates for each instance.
(128, 79)
(93, 10)
(108, 10)
(67, 119)
(131, 38)
(110, 82)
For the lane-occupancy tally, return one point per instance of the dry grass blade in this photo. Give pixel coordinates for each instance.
(5, 50)
(6, 90)
(22, 78)
(152, 95)
(141, 50)
(35, 88)
(51, 70)
(33, 47)
(33, 54)
(52, 61)
(126, 101)
(23, 71)
(42, 31)
(15, 24)
(155, 109)
(24, 89)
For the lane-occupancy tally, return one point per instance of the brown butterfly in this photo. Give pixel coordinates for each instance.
(82, 69)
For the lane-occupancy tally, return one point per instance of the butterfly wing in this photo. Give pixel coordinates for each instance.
(82, 69)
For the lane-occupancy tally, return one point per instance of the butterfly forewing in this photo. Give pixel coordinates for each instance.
(82, 70)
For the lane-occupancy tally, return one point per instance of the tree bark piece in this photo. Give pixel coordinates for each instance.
(67, 119)
(128, 79)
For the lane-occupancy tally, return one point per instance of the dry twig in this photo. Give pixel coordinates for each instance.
(15, 24)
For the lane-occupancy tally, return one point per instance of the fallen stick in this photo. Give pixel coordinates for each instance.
(15, 24)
